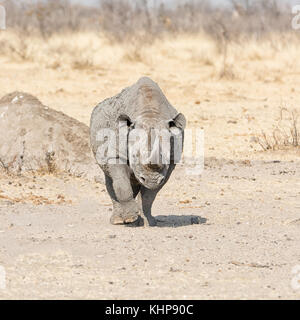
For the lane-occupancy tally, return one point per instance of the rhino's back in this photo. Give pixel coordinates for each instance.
(146, 100)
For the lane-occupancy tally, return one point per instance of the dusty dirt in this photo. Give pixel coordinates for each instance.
(59, 243)
(55, 236)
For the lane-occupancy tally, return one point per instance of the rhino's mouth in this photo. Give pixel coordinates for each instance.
(152, 181)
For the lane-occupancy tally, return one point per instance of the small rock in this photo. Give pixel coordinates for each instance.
(184, 201)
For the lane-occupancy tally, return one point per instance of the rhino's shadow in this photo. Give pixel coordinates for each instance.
(176, 221)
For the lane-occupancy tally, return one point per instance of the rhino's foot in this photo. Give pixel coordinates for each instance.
(150, 222)
(145, 222)
(128, 219)
(125, 213)
(130, 211)
(138, 223)
(116, 219)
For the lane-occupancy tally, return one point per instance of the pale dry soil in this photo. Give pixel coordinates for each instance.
(245, 244)
(55, 236)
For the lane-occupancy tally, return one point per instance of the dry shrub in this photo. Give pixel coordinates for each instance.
(123, 20)
(228, 73)
(133, 54)
(286, 133)
(82, 64)
(89, 50)
(57, 35)
(48, 17)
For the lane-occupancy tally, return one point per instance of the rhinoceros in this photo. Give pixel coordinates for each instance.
(130, 171)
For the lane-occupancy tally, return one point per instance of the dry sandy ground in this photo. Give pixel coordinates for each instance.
(55, 236)
(245, 245)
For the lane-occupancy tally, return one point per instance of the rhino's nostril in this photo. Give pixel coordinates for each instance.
(142, 179)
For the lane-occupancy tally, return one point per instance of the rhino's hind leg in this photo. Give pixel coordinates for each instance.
(125, 208)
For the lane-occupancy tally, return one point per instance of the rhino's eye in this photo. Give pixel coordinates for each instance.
(125, 120)
(172, 124)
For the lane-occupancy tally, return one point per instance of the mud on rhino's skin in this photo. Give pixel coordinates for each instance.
(142, 106)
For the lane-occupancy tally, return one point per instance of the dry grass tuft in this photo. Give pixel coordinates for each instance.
(58, 35)
(286, 133)
(262, 60)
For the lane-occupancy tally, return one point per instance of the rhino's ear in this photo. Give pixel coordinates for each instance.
(179, 122)
(125, 120)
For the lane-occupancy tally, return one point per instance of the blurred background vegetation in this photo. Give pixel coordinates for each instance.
(121, 20)
(202, 54)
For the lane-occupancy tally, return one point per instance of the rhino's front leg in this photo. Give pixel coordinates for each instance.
(147, 198)
(125, 208)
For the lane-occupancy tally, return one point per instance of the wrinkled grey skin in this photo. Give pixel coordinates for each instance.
(143, 105)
